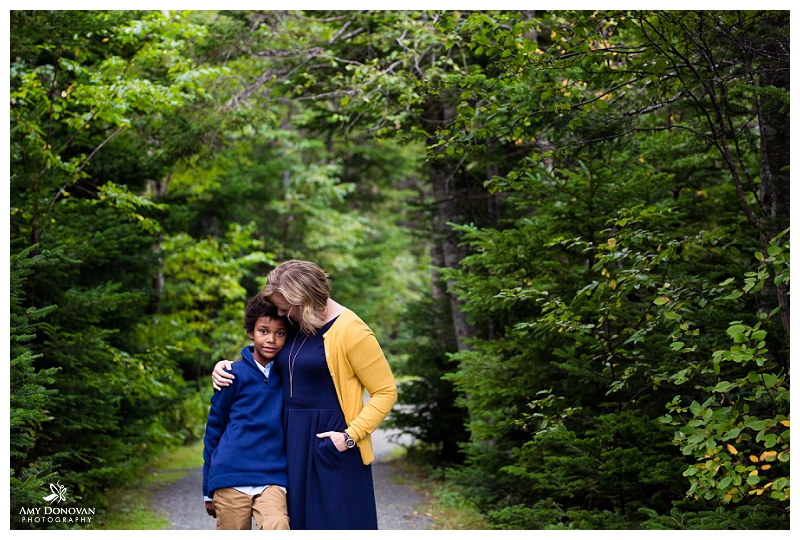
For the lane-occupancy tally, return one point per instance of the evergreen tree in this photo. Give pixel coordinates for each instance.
(30, 389)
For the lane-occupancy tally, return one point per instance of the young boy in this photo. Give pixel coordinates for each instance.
(245, 460)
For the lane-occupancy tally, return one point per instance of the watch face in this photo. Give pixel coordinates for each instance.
(349, 442)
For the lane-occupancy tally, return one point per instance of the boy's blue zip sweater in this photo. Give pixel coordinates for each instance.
(244, 434)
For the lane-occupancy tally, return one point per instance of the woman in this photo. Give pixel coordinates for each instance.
(326, 365)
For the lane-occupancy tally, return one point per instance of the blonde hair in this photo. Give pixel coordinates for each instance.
(302, 284)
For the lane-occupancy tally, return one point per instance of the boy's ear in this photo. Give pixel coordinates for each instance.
(250, 335)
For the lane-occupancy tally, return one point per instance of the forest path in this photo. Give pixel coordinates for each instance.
(399, 507)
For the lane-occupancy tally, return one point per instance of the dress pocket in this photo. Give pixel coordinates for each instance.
(328, 442)
(327, 456)
(329, 420)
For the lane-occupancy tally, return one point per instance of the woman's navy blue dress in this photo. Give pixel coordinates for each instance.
(327, 489)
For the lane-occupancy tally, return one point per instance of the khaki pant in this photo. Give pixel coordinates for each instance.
(234, 510)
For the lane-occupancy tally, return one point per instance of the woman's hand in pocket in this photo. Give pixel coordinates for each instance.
(336, 437)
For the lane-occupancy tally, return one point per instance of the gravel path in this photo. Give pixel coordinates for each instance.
(399, 507)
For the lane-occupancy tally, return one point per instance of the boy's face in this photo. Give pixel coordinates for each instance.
(268, 337)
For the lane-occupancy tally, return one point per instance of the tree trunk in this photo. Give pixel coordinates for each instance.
(158, 190)
(443, 174)
(774, 131)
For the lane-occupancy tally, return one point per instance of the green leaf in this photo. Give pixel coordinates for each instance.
(724, 386)
(753, 423)
(736, 329)
(770, 439)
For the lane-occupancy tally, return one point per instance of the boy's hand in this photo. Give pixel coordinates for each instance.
(220, 377)
(210, 509)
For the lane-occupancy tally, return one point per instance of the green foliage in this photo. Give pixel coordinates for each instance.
(202, 305)
(30, 392)
(96, 79)
(755, 517)
(748, 397)
(580, 373)
(90, 92)
(421, 359)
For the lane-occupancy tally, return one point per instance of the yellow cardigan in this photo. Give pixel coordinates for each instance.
(356, 362)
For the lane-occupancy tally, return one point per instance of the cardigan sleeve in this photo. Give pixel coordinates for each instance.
(367, 361)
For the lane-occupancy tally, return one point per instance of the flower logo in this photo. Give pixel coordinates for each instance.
(59, 493)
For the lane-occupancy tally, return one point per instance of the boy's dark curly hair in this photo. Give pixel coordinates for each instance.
(256, 308)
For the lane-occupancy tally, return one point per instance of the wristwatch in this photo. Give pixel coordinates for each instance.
(348, 440)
